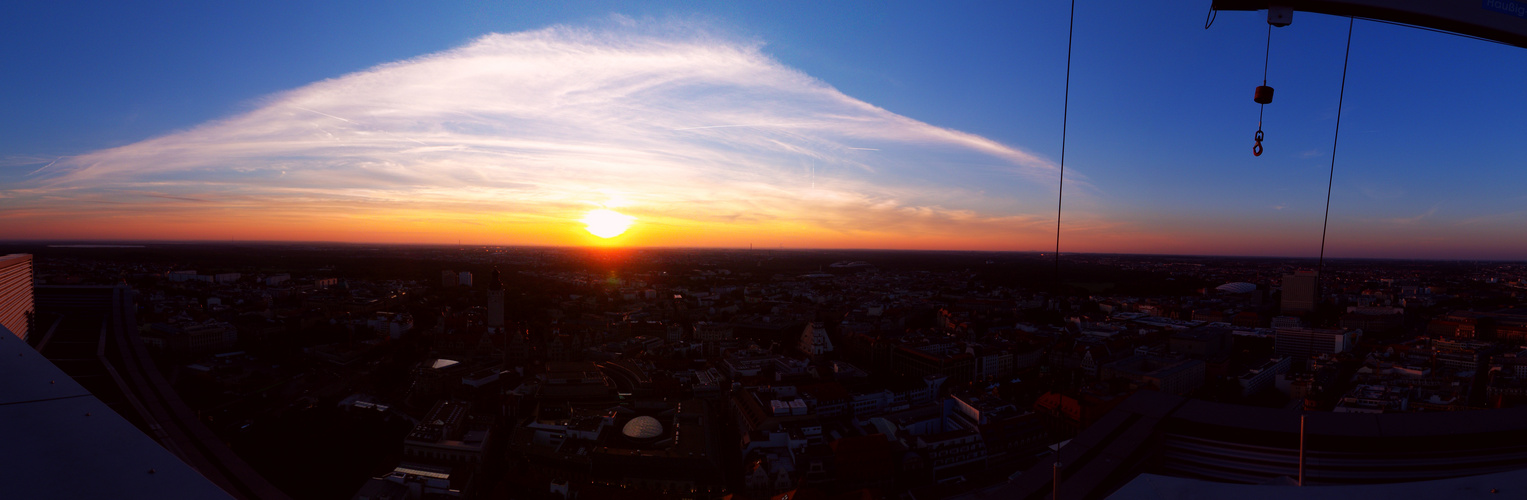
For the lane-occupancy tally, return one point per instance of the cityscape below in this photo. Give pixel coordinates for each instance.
(763, 250)
(390, 372)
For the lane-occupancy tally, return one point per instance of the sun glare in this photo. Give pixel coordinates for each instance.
(607, 223)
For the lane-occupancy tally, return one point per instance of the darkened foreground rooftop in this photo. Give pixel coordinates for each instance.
(112, 360)
(62, 442)
(1168, 439)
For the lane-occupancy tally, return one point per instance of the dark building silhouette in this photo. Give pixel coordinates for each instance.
(495, 301)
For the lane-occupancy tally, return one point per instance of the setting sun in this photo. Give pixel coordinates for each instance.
(607, 223)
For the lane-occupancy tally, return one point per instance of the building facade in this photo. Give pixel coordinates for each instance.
(192, 338)
(1163, 373)
(814, 341)
(448, 435)
(1307, 342)
(1299, 292)
(17, 306)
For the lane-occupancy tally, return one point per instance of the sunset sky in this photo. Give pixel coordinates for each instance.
(725, 124)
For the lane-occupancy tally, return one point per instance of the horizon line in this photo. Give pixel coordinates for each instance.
(748, 248)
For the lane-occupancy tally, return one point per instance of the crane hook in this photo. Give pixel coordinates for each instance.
(1263, 97)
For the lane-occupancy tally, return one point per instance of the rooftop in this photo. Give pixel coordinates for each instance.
(74, 446)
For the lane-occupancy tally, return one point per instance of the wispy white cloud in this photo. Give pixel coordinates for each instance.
(670, 117)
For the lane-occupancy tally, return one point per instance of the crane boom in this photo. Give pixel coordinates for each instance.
(1503, 21)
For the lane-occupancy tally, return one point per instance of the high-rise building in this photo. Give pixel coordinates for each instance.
(465, 279)
(16, 305)
(1299, 292)
(495, 300)
(1307, 342)
(447, 278)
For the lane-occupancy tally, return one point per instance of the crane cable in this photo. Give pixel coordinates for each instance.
(1064, 117)
(1256, 150)
(1060, 192)
(1340, 97)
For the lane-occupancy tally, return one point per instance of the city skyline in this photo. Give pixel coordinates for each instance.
(905, 128)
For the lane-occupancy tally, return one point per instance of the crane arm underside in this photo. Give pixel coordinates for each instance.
(1503, 21)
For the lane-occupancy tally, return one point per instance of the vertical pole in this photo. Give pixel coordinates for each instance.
(1301, 450)
(1055, 481)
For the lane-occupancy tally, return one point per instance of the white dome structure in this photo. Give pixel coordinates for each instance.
(1237, 287)
(643, 427)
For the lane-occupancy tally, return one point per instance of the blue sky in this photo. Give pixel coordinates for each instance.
(1159, 147)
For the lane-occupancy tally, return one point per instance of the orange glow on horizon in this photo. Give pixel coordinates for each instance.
(403, 226)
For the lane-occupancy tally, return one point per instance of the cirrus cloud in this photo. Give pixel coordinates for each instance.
(665, 120)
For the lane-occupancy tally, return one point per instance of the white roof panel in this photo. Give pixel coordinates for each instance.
(59, 441)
